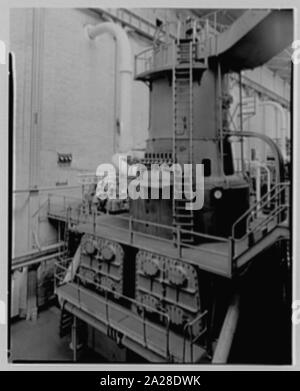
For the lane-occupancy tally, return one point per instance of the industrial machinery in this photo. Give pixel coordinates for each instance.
(158, 279)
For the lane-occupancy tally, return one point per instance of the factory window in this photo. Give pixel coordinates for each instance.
(207, 167)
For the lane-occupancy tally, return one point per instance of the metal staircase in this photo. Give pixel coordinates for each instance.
(65, 324)
(184, 53)
(267, 221)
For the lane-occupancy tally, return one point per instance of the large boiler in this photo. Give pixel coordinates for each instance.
(163, 280)
(189, 104)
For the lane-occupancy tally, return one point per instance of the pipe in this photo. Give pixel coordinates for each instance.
(37, 260)
(274, 148)
(283, 122)
(241, 121)
(126, 75)
(35, 256)
(259, 165)
(288, 131)
(227, 333)
(220, 103)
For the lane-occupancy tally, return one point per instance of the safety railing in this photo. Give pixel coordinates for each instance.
(211, 20)
(77, 214)
(138, 313)
(154, 58)
(105, 306)
(271, 209)
(73, 211)
(276, 195)
(188, 331)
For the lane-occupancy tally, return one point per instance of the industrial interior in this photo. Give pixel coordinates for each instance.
(128, 280)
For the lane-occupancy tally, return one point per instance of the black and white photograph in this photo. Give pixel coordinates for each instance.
(151, 185)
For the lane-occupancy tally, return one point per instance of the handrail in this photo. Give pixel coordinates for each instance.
(262, 202)
(266, 203)
(148, 49)
(262, 223)
(270, 216)
(188, 326)
(144, 307)
(39, 208)
(172, 229)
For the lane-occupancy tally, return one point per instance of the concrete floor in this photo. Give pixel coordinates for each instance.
(39, 340)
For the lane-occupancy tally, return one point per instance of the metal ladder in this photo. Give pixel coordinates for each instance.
(184, 52)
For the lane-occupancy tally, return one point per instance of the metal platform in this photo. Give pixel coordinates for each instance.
(150, 340)
(129, 324)
(222, 256)
(212, 257)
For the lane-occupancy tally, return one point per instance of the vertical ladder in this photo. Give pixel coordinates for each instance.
(184, 52)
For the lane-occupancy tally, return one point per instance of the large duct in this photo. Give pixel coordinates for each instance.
(283, 124)
(126, 74)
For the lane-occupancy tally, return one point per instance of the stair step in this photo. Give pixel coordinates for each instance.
(65, 325)
(66, 320)
(66, 317)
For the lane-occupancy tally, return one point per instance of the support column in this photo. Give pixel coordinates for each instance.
(74, 338)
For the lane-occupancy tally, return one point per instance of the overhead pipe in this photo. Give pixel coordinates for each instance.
(274, 148)
(126, 76)
(258, 179)
(37, 256)
(283, 123)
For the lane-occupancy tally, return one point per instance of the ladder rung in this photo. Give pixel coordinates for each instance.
(182, 70)
(181, 208)
(182, 104)
(184, 224)
(187, 213)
